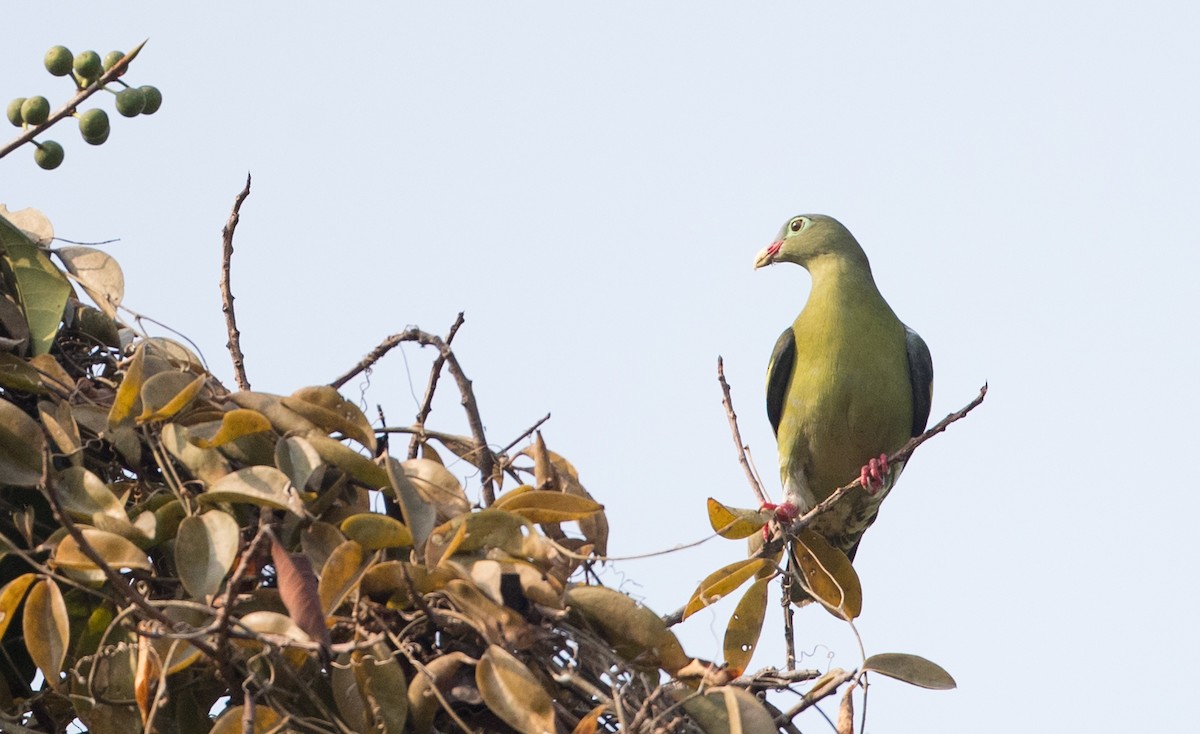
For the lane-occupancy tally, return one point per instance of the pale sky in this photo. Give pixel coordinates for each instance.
(589, 182)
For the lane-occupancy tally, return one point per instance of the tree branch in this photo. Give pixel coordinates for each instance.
(234, 345)
(727, 401)
(487, 460)
(427, 403)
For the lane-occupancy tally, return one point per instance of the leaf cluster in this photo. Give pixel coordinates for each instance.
(173, 548)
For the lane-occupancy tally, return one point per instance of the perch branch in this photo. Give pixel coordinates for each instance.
(235, 337)
(435, 372)
(899, 456)
(776, 543)
(727, 401)
(487, 460)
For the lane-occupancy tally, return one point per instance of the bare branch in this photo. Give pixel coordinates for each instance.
(727, 401)
(435, 372)
(487, 460)
(235, 337)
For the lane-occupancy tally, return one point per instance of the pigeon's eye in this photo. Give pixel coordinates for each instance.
(797, 225)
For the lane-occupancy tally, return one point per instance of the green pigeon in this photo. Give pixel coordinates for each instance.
(848, 382)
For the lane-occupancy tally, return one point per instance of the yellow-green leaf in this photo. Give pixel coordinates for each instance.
(721, 582)
(735, 522)
(374, 531)
(912, 669)
(235, 424)
(325, 407)
(47, 629)
(541, 506)
(512, 692)
(10, 598)
(207, 465)
(340, 575)
(634, 631)
(21, 447)
(745, 626)
(205, 548)
(116, 551)
(129, 392)
(167, 393)
(828, 575)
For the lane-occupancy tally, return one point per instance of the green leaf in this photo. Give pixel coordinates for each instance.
(912, 669)
(167, 393)
(41, 288)
(22, 444)
(205, 548)
(264, 486)
(296, 457)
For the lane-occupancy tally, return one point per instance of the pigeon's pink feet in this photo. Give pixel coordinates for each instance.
(873, 474)
(784, 514)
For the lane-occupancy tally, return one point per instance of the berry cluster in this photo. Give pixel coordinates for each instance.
(88, 70)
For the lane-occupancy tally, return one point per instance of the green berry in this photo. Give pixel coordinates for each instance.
(88, 65)
(14, 111)
(48, 154)
(35, 110)
(153, 99)
(111, 59)
(131, 102)
(93, 126)
(58, 61)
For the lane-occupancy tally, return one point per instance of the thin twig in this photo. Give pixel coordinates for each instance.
(235, 337)
(487, 460)
(69, 108)
(435, 371)
(524, 435)
(826, 689)
(727, 401)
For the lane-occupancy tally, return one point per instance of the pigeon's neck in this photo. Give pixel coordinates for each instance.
(839, 277)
